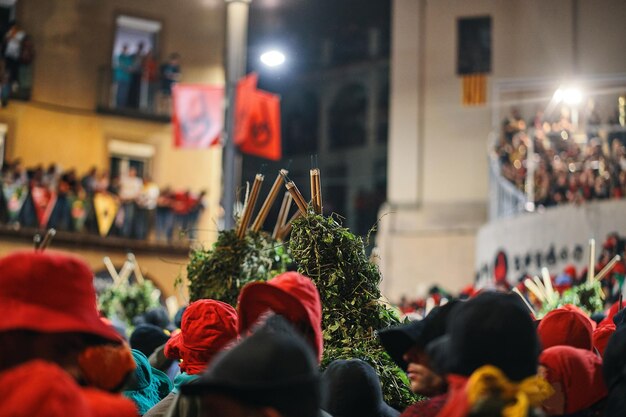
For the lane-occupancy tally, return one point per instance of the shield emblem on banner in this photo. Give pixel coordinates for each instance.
(106, 207)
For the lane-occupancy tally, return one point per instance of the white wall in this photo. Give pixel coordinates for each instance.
(563, 227)
(437, 164)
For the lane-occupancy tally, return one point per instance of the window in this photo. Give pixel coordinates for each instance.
(126, 155)
(474, 45)
(347, 117)
(134, 62)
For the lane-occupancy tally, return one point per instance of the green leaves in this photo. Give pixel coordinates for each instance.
(129, 300)
(335, 260)
(221, 272)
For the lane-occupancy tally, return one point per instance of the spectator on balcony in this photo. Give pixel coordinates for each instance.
(136, 70)
(123, 65)
(164, 215)
(170, 74)
(12, 51)
(149, 78)
(146, 207)
(197, 206)
(130, 189)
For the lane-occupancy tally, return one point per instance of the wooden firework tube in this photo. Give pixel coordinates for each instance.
(608, 268)
(312, 182)
(297, 196)
(286, 229)
(284, 208)
(592, 260)
(247, 212)
(318, 191)
(269, 202)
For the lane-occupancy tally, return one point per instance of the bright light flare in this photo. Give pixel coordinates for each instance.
(273, 58)
(568, 95)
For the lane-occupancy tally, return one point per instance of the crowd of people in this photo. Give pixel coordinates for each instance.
(566, 170)
(140, 83)
(51, 197)
(487, 355)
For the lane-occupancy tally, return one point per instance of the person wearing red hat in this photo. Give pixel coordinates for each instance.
(291, 295)
(207, 327)
(565, 326)
(48, 310)
(576, 377)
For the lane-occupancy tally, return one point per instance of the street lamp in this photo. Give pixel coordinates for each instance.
(273, 58)
(236, 32)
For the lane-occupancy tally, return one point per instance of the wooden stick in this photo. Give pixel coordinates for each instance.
(532, 287)
(136, 269)
(269, 201)
(286, 229)
(37, 241)
(313, 188)
(607, 268)
(539, 284)
(111, 269)
(532, 310)
(318, 191)
(619, 300)
(247, 211)
(125, 273)
(591, 271)
(547, 282)
(282, 214)
(297, 196)
(47, 239)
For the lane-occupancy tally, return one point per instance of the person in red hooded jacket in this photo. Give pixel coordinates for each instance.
(291, 295)
(49, 319)
(576, 377)
(207, 327)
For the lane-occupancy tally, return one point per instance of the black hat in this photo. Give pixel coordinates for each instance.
(147, 337)
(491, 329)
(352, 388)
(270, 369)
(397, 340)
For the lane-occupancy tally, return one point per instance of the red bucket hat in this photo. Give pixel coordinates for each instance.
(292, 295)
(49, 292)
(565, 327)
(601, 336)
(207, 326)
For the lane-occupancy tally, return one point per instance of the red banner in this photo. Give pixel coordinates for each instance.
(243, 103)
(44, 201)
(262, 129)
(197, 114)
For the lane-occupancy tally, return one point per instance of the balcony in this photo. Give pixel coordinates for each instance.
(140, 99)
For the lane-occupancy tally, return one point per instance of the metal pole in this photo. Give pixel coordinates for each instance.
(235, 54)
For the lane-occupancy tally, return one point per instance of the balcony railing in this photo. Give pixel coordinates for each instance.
(137, 98)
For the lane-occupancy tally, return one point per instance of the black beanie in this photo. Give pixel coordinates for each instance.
(147, 337)
(492, 329)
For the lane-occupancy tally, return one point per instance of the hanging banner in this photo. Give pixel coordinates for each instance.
(262, 134)
(78, 212)
(243, 105)
(106, 207)
(14, 196)
(197, 115)
(44, 201)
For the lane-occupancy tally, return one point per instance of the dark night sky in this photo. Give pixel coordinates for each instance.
(299, 27)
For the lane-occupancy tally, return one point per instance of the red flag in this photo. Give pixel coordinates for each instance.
(262, 134)
(243, 105)
(198, 115)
